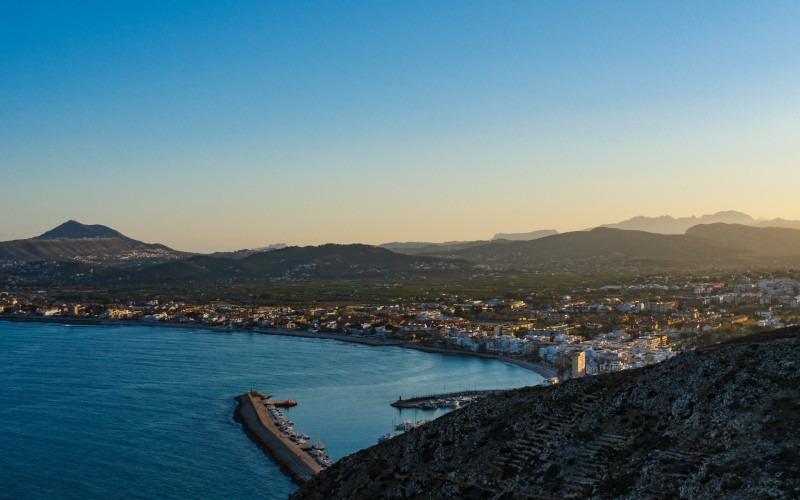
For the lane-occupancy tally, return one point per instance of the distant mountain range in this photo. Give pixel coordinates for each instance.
(664, 224)
(702, 247)
(82, 246)
(671, 225)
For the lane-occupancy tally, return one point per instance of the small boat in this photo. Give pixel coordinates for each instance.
(406, 425)
(385, 437)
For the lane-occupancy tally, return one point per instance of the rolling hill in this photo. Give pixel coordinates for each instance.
(304, 263)
(605, 247)
(756, 241)
(427, 248)
(488, 251)
(532, 235)
(702, 247)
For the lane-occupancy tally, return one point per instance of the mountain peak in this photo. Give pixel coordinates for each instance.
(75, 230)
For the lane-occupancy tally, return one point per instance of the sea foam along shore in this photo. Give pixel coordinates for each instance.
(354, 339)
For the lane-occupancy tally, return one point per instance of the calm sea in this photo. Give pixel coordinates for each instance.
(113, 412)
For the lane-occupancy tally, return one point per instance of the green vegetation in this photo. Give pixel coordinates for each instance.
(346, 291)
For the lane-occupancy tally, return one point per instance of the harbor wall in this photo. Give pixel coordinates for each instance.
(258, 425)
(415, 401)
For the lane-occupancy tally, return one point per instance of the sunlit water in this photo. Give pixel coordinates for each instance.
(143, 412)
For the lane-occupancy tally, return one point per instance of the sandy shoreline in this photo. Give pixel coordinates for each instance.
(353, 339)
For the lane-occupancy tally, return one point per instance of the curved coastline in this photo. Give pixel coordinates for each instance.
(538, 369)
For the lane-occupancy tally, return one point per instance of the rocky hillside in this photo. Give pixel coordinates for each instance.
(719, 422)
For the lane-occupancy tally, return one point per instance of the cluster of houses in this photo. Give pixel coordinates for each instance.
(586, 332)
(569, 355)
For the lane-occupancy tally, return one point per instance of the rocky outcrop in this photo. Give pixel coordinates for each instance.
(719, 422)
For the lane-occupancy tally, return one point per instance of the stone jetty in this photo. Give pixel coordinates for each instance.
(262, 429)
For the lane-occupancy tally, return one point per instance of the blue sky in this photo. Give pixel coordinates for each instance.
(224, 125)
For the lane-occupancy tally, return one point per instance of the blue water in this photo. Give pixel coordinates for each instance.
(143, 412)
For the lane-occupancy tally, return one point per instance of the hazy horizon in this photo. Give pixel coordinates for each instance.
(277, 242)
(215, 127)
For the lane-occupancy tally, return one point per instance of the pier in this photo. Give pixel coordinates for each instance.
(262, 429)
(432, 401)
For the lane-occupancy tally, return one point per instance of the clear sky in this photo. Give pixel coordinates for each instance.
(224, 125)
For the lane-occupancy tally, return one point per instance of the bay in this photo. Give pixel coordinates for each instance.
(144, 412)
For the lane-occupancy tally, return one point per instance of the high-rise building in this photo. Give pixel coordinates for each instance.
(578, 364)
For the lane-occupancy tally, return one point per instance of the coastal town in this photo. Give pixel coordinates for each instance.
(584, 332)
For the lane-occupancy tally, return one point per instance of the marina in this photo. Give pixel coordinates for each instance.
(431, 402)
(272, 432)
(441, 400)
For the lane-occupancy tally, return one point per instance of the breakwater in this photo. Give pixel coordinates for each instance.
(262, 429)
(435, 400)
